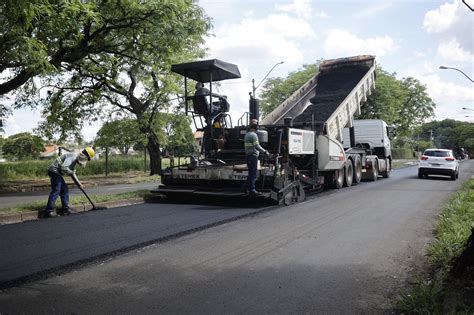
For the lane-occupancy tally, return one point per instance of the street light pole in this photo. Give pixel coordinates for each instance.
(253, 80)
(444, 68)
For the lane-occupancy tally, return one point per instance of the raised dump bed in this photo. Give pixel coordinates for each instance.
(331, 98)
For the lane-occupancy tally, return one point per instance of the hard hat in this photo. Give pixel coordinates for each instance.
(88, 152)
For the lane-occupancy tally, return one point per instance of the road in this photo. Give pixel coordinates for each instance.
(12, 199)
(339, 252)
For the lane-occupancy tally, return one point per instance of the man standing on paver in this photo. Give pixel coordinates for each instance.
(64, 165)
(252, 150)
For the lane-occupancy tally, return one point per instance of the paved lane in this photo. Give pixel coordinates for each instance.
(32, 247)
(343, 251)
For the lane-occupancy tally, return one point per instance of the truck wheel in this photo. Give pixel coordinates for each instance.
(357, 170)
(388, 169)
(339, 178)
(348, 173)
(375, 171)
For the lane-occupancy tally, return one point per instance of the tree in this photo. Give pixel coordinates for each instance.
(127, 49)
(447, 134)
(22, 146)
(469, 146)
(121, 134)
(180, 138)
(404, 103)
(277, 90)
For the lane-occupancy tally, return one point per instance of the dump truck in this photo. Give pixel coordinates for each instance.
(313, 139)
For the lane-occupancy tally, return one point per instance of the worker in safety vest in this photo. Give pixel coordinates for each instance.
(252, 151)
(64, 165)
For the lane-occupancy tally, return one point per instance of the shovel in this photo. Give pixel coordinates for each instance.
(87, 196)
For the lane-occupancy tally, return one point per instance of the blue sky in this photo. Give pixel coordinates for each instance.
(411, 38)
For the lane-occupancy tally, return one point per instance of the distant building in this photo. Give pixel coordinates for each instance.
(50, 150)
(198, 135)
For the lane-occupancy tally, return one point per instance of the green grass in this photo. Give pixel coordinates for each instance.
(75, 201)
(452, 231)
(425, 298)
(37, 169)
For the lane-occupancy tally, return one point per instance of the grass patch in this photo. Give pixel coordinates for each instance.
(425, 298)
(400, 164)
(75, 201)
(452, 232)
(38, 169)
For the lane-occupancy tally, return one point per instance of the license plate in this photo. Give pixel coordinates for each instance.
(435, 164)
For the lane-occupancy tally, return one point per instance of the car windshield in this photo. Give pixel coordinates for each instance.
(437, 153)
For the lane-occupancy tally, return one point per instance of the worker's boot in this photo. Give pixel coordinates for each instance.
(48, 214)
(64, 211)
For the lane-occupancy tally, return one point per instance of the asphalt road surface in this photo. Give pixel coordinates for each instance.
(12, 199)
(340, 251)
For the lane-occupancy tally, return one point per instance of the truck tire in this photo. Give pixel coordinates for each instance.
(348, 173)
(375, 171)
(334, 179)
(357, 170)
(388, 169)
(339, 178)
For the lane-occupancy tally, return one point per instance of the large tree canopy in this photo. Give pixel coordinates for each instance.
(122, 134)
(22, 146)
(404, 103)
(448, 134)
(124, 53)
(48, 36)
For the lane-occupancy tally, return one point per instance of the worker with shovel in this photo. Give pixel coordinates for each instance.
(65, 165)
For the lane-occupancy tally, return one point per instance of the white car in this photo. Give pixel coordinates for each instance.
(438, 162)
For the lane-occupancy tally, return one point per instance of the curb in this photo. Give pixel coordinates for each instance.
(37, 215)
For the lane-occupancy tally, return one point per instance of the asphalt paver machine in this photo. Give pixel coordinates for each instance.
(303, 136)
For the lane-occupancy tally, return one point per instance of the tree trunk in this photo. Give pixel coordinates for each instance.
(153, 147)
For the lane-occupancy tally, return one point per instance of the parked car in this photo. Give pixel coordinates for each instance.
(438, 162)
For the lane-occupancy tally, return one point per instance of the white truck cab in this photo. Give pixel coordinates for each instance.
(370, 134)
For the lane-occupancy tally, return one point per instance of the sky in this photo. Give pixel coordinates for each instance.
(411, 38)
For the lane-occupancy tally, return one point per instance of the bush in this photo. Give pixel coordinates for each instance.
(403, 153)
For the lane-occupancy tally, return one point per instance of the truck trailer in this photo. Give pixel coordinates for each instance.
(313, 139)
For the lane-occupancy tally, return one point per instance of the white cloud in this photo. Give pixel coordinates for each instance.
(441, 19)
(419, 54)
(22, 120)
(452, 24)
(449, 97)
(342, 43)
(452, 51)
(302, 8)
(322, 15)
(373, 9)
(271, 38)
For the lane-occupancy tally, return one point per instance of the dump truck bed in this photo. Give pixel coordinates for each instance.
(332, 97)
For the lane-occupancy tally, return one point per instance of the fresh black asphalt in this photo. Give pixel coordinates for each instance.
(31, 250)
